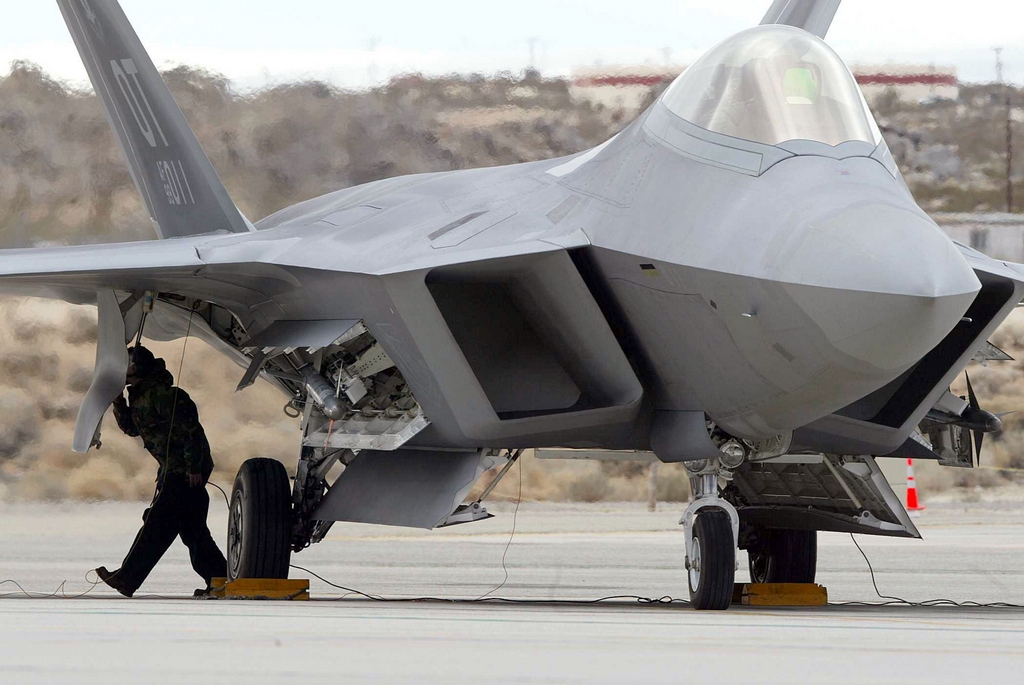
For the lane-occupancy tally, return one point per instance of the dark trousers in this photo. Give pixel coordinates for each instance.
(177, 509)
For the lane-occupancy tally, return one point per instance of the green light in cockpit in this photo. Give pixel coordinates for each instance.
(800, 86)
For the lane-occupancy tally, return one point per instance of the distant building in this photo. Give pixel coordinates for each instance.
(1000, 236)
(625, 88)
(618, 87)
(911, 82)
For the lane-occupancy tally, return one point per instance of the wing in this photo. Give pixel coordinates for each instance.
(95, 274)
(89, 275)
(74, 274)
(181, 189)
(813, 16)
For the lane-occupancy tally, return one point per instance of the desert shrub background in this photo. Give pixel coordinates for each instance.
(63, 180)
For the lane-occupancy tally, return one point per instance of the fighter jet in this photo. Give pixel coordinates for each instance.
(739, 281)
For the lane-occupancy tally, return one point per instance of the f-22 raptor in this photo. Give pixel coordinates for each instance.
(739, 281)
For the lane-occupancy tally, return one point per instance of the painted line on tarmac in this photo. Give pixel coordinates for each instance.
(586, 617)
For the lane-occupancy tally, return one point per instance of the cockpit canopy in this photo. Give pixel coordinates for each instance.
(773, 84)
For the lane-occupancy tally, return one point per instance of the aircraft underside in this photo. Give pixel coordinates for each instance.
(549, 372)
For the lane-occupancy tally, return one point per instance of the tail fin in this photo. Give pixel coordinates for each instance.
(814, 16)
(179, 185)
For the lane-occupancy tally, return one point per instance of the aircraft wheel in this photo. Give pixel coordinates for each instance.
(713, 561)
(784, 556)
(259, 523)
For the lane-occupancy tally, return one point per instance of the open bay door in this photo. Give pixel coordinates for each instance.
(346, 376)
(819, 492)
(110, 374)
(407, 487)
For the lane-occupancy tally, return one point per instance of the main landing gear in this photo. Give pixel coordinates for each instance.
(260, 521)
(783, 556)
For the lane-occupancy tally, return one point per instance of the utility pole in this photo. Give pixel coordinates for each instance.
(532, 42)
(372, 70)
(1009, 130)
(652, 487)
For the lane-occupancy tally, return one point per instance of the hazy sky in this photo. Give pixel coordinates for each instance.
(355, 43)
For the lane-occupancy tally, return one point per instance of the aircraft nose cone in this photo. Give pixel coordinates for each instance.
(883, 284)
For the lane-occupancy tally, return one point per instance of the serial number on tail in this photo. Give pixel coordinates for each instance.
(176, 185)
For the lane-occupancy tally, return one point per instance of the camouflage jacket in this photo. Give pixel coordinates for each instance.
(153, 403)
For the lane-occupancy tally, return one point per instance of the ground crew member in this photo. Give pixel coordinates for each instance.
(167, 420)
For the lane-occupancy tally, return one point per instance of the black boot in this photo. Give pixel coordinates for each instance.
(114, 581)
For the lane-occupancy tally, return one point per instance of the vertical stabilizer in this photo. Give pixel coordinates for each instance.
(179, 185)
(813, 16)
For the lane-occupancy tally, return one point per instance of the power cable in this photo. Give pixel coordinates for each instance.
(227, 501)
(871, 570)
(515, 518)
(488, 599)
(889, 600)
(177, 386)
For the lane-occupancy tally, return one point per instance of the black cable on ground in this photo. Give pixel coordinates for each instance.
(51, 595)
(515, 518)
(488, 599)
(889, 600)
(871, 570)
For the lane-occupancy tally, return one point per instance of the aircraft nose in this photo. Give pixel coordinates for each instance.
(883, 284)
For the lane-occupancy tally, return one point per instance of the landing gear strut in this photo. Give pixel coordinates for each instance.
(711, 541)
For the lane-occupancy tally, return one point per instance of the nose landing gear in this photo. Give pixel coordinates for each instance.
(712, 562)
(711, 542)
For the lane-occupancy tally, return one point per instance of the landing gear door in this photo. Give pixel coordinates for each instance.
(820, 492)
(109, 377)
(405, 487)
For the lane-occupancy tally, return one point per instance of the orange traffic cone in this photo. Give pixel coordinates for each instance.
(912, 503)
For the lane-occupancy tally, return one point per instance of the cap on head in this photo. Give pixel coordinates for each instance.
(142, 359)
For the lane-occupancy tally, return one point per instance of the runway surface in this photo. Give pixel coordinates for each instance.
(559, 552)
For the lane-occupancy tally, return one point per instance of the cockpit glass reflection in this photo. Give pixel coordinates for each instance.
(774, 84)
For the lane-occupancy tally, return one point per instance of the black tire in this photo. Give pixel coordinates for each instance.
(784, 556)
(713, 566)
(259, 522)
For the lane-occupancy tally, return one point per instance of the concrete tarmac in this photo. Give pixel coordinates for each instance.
(575, 552)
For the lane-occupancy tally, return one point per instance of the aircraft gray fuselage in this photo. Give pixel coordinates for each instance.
(767, 301)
